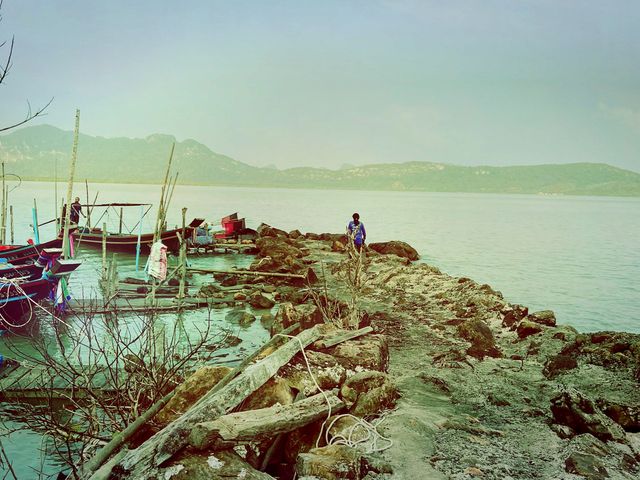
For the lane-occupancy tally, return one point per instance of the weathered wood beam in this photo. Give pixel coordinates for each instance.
(143, 462)
(257, 425)
(341, 337)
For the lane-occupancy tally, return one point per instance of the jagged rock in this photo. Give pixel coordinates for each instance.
(269, 288)
(586, 465)
(312, 236)
(401, 249)
(189, 392)
(483, 343)
(334, 237)
(527, 328)
(241, 317)
(370, 352)
(544, 317)
(239, 296)
(513, 315)
(265, 230)
(627, 416)
(361, 382)
(307, 315)
(559, 364)
(295, 234)
(333, 462)
(376, 400)
(257, 300)
(571, 408)
(218, 465)
(337, 246)
(276, 390)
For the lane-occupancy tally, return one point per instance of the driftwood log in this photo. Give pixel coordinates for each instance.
(257, 425)
(333, 340)
(144, 461)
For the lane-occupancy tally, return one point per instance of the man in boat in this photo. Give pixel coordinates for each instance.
(356, 232)
(76, 210)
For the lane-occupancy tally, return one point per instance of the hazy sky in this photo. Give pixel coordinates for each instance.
(332, 82)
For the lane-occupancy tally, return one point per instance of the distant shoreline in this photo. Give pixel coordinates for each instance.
(341, 188)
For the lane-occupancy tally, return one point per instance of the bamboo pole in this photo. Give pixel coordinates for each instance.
(86, 184)
(72, 171)
(11, 222)
(247, 272)
(36, 229)
(104, 251)
(183, 254)
(120, 225)
(56, 212)
(139, 237)
(3, 217)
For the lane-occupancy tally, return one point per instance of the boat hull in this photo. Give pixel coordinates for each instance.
(128, 243)
(17, 307)
(28, 253)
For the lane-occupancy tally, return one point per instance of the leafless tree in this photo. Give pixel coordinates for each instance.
(6, 51)
(100, 373)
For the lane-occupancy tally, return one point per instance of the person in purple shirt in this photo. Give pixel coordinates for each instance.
(356, 231)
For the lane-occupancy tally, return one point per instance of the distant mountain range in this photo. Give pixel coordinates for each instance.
(32, 153)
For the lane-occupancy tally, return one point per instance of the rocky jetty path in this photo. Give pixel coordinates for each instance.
(458, 382)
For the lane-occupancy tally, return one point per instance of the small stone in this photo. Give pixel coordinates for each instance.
(239, 296)
(474, 472)
(257, 300)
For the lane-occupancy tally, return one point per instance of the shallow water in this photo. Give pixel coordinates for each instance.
(578, 256)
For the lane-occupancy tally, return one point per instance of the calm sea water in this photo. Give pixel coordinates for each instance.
(578, 256)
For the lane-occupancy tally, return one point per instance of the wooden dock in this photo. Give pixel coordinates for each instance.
(25, 382)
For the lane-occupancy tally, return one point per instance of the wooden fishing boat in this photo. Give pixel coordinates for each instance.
(127, 243)
(18, 255)
(18, 297)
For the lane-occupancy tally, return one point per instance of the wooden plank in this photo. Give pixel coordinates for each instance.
(144, 461)
(258, 425)
(341, 337)
(247, 272)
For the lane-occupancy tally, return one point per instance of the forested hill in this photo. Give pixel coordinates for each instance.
(33, 152)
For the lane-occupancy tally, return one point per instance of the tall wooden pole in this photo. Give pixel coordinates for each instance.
(86, 184)
(55, 203)
(3, 217)
(183, 255)
(72, 170)
(11, 222)
(36, 229)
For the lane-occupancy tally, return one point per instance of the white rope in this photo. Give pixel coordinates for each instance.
(372, 438)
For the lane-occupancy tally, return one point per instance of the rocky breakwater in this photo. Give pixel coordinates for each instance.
(491, 390)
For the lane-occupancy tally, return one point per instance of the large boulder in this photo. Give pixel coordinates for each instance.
(257, 300)
(218, 465)
(526, 328)
(265, 230)
(559, 364)
(276, 391)
(395, 247)
(369, 393)
(370, 352)
(479, 334)
(189, 392)
(332, 462)
(573, 409)
(334, 237)
(307, 315)
(586, 466)
(544, 317)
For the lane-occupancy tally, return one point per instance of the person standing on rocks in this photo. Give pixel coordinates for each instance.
(356, 232)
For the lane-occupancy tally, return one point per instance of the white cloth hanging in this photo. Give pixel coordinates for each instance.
(157, 262)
